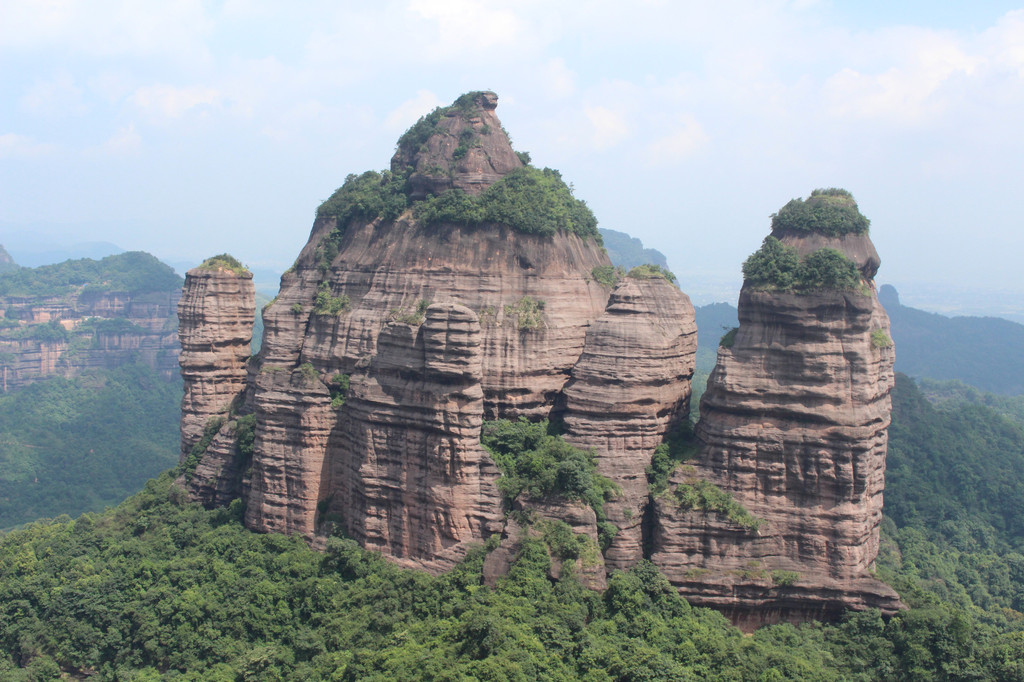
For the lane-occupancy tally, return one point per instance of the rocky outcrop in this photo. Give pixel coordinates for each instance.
(215, 320)
(462, 147)
(778, 516)
(534, 297)
(630, 386)
(408, 475)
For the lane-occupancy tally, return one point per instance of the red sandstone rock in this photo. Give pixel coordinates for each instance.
(630, 385)
(794, 426)
(215, 318)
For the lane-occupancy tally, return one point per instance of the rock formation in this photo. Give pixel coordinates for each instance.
(215, 320)
(462, 286)
(778, 516)
(630, 385)
(49, 328)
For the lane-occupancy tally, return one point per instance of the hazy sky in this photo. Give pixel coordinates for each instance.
(188, 128)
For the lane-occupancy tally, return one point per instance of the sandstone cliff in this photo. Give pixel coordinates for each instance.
(778, 516)
(64, 319)
(630, 386)
(533, 295)
(215, 314)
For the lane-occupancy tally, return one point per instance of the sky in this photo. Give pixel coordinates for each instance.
(191, 128)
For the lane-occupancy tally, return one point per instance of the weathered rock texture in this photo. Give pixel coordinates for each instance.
(142, 330)
(469, 150)
(409, 476)
(794, 427)
(215, 319)
(630, 385)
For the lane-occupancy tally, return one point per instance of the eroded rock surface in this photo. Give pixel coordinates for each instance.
(631, 385)
(408, 476)
(215, 318)
(794, 428)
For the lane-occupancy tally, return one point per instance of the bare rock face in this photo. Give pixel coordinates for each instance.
(409, 476)
(630, 386)
(794, 428)
(465, 147)
(215, 318)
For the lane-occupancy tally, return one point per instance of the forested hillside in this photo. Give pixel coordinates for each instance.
(159, 586)
(76, 445)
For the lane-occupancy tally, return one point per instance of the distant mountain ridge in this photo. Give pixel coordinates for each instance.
(70, 317)
(985, 352)
(628, 252)
(6, 262)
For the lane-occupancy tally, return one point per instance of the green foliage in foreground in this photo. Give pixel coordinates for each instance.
(162, 589)
(134, 272)
(778, 267)
(831, 212)
(528, 200)
(76, 445)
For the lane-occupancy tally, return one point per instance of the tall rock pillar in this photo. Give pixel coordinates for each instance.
(778, 516)
(215, 320)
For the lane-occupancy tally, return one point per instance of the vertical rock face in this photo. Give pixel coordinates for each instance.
(215, 320)
(409, 477)
(630, 385)
(794, 429)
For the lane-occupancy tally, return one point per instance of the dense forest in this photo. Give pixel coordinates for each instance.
(77, 445)
(159, 588)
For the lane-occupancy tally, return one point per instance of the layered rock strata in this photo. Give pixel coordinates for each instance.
(409, 477)
(630, 386)
(104, 330)
(215, 320)
(534, 297)
(794, 430)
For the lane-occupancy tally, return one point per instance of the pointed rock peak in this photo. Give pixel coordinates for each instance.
(462, 146)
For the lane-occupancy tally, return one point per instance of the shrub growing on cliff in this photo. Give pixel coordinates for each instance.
(777, 266)
(528, 200)
(224, 261)
(528, 311)
(651, 271)
(708, 497)
(831, 212)
(535, 461)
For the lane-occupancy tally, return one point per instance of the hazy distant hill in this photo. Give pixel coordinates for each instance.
(985, 352)
(629, 252)
(6, 262)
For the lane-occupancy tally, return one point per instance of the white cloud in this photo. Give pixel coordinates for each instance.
(14, 146)
(168, 101)
(107, 27)
(124, 142)
(54, 97)
(608, 128)
(676, 147)
(558, 80)
(470, 25)
(409, 111)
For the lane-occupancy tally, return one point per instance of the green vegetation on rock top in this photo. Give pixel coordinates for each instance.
(131, 272)
(416, 137)
(831, 212)
(778, 267)
(224, 261)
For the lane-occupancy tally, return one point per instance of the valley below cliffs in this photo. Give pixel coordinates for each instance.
(453, 360)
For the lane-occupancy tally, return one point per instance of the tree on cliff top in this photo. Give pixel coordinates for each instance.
(831, 212)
